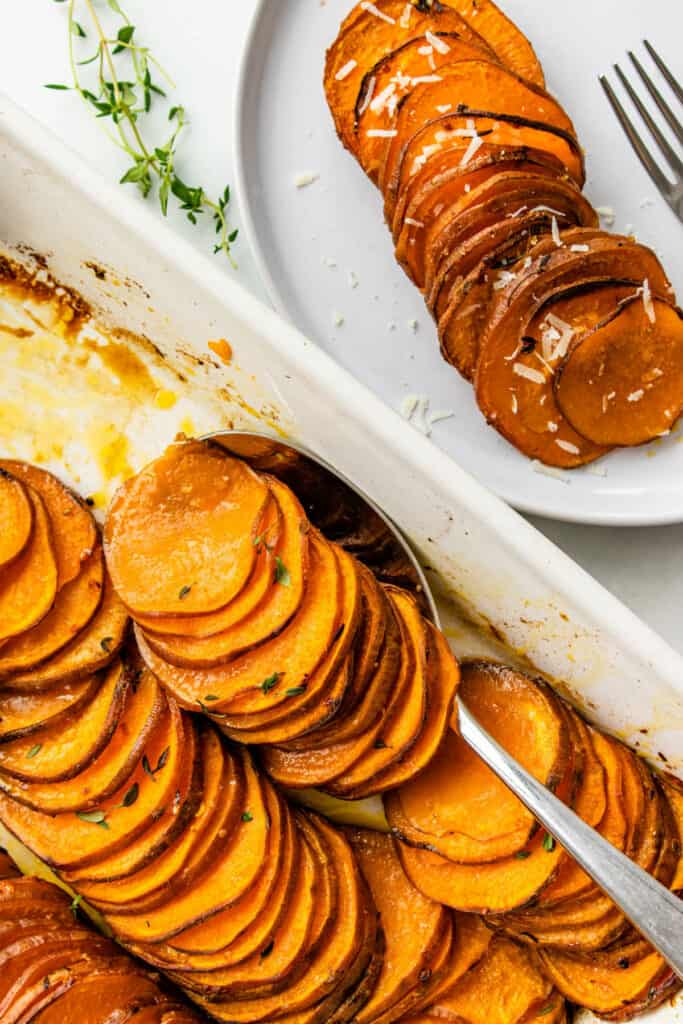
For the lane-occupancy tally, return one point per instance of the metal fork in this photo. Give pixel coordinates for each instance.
(671, 190)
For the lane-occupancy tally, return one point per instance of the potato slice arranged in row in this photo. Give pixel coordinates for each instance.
(444, 107)
(56, 970)
(465, 841)
(311, 658)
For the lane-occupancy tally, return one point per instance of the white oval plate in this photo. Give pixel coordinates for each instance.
(325, 254)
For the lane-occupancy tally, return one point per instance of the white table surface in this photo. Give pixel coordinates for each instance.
(200, 43)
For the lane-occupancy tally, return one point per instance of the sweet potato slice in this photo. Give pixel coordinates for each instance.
(605, 988)
(409, 949)
(74, 607)
(261, 581)
(16, 518)
(509, 44)
(292, 655)
(165, 867)
(501, 988)
(66, 841)
(406, 714)
(166, 825)
(470, 942)
(443, 679)
(504, 370)
(65, 749)
(480, 89)
(341, 947)
(74, 533)
(91, 650)
(104, 997)
(226, 874)
(501, 197)
(457, 807)
(504, 885)
(22, 714)
(259, 975)
(179, 536)
(247, 926)
(620, 384)
(29, 584)
(675, 797)
(366, 37)
(391, 79)
(343, 743)
(136, 714)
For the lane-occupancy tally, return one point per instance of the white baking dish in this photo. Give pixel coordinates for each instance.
(488, 562)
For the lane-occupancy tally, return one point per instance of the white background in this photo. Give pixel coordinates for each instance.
(200, 43)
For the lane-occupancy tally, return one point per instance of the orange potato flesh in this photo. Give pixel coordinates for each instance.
(28, 585)
(16, 518)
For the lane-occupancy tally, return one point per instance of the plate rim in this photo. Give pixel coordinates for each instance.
(554, 510)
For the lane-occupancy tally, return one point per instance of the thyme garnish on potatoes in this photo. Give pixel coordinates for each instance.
(125, 101)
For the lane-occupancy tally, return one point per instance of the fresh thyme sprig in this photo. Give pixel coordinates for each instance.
(125, 101)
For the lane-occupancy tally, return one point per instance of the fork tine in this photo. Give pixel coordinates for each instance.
(666, 110)
(677, 89)
(662, 183)
(651, 124)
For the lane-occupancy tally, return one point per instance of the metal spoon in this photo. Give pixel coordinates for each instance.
(345, 514)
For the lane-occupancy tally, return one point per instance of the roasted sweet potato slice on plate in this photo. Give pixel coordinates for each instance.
(457, 807)
(391, 79)
(136, 714)
(74, 533)
(227, 873)
(621, 383)
(164, 866)
(501, 197)
(291, 655)
(67, 841)
(508, 386)
(74, 607)
(28, 585)
(260, 583)
(16, 518)
(91, 650)
(409, 949)
(371, 32)
(22, 714)
(501, 988)
(508, 42)
(179, 536)
(65, 749)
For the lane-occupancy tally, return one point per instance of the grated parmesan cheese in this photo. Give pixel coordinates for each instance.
(471, 150)
(606, 214)
(380, 101)
(414, 223)
(443, 108)
(514, 404)
(425, 51)
(306, 178)
(353, 279)
(505, 277)
(409, 405)
(337, 318)
(371, 9)
(579, 248)
(647, 302)
(438, 416)
(551, 471)
(567, 446)
(413, 326)
(596, 470)
(552, 427)
(555, 231)
(635, 396)
(546, 209)
(346, 70)
(440, 45)
(405, 17)
(528, 373)
(382, 133)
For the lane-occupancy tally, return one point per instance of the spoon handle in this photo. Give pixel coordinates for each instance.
(651, 908)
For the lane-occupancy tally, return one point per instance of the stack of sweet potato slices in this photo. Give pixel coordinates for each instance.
(56, 970)
(201, 868)
(465, 841)
(61, 623)
(444, 106)
(284, 639)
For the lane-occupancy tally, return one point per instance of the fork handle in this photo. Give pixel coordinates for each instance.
(652, 909)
